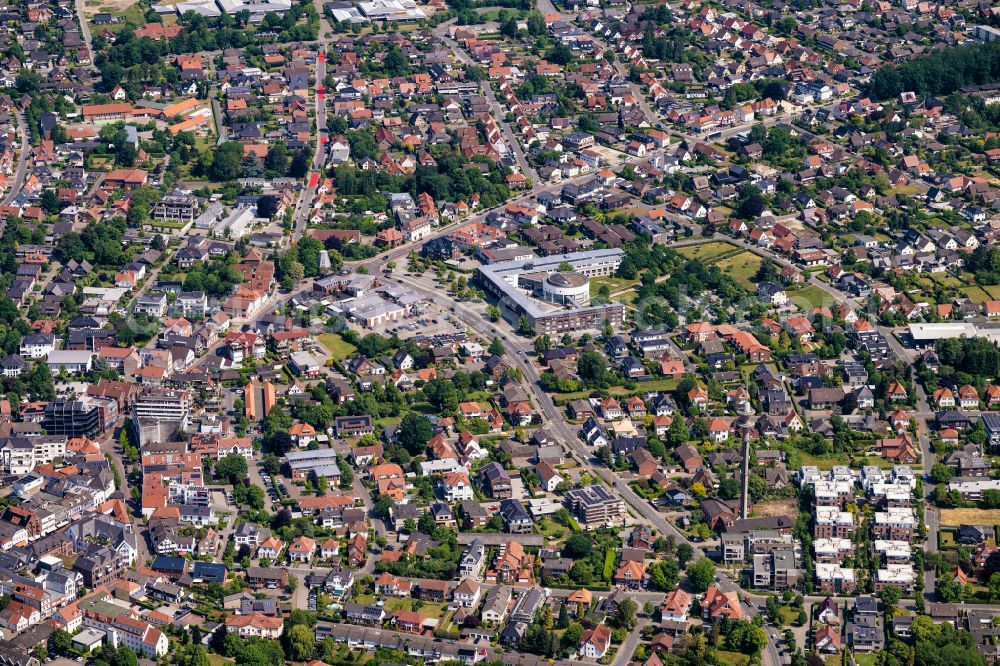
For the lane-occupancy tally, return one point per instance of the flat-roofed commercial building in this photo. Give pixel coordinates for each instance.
(532, 289)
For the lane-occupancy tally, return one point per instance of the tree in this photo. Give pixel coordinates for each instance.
(578, 546)
(227, 162)
(508, 28)
(702, 574)
(276, 160)
(573, 635)
(592, 368)
(536, 24)
(493, 312)
(193, 655)
(729, 489)
(496, 347)
(542, 344)
(414, 433)
(890, 597)
(524, 326)
(563, 621)
(589, 123)
(300, 643)
(267, 206)
(300, 164)
(678, 434)
(626, 615)
(232, 468)
(664, 575)
(685, 552)
(941, 473)
(995, 585)
(60, 642)
(50, 201)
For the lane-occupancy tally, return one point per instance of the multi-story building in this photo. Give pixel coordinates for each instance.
(176, 206)
(19, 455)
(900, 576)
(122, 628)
(595, 506)
(831, 522)
(157, 413)
(834, 579)
(86, 416)
(895, 523)
(833, 549)
(473, 560)
(776, 570)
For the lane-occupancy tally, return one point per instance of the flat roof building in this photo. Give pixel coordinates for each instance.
(532, 289)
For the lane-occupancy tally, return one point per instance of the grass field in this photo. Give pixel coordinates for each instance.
(732, 658)
(992, 290)
(706, 251)
(627, 297)
(956, 517)
(430, 609)
(975, 294)
(336, 345)
(617, 391)
(551, 528)
(741, 267)
(788, 615)
(811, 296)
(945, 280)
(612, 283)
(824, 463)
(865, 659)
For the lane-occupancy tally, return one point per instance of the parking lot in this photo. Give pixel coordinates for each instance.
(434, 320)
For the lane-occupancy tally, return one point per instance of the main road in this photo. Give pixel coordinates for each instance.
(24, 142)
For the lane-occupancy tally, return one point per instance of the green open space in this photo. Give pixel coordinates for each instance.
(338, 347)
(612, 283)
(551, 528)
(732, 658)
(811, 296)
(617, 391)
(976, 294)
(706, 251)
(742, 266)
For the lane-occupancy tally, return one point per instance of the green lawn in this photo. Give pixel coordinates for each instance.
(551, 528)
(433, 610)
(824, 462)
(866, 659)
(706, 251)
(788, 615)
(810, 296)
(976, 294)
(617, 391)
(612, 283)
(337, 346)
(219, 660)
(732, 658)
(877, 461)
(741, 267)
